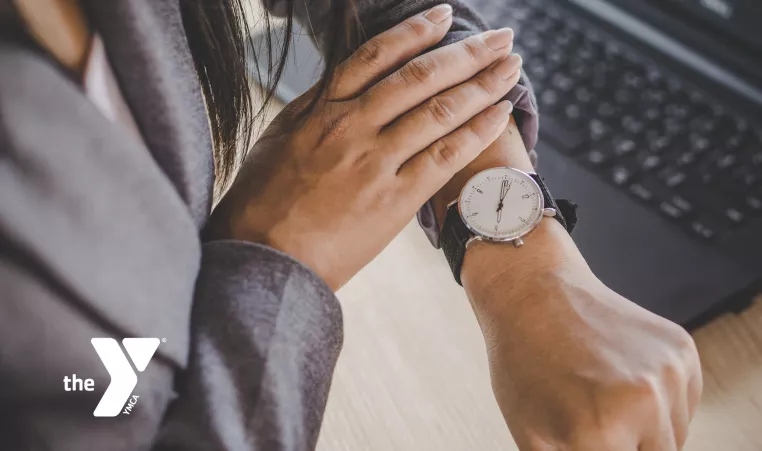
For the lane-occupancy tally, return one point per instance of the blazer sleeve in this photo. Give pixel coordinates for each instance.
(377, 16)
(266, 333)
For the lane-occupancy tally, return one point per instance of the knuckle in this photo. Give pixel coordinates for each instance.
(474, 133)
(647, 387)
(337, 126)
(689, 358)
(673, 376)
(363, 160)
(419, 70)
(597, 441)
(473, 48)
(416, 26)
(686, 343)
(385, 196)
(444, 153)
(683, 346)
(442, 109)
(370, 53)
(485, 86)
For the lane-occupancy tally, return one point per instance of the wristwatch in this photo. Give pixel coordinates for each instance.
(500, 205)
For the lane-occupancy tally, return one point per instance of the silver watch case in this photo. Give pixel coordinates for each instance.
(516, 239)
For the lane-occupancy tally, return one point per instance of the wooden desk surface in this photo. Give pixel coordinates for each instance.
(413, 374)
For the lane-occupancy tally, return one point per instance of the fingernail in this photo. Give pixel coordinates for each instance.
(507, 67)
(438, 14)
(501, 111)
(498, 39)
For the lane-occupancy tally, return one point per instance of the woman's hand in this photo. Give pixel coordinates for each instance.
(574, 365)
(334, 188)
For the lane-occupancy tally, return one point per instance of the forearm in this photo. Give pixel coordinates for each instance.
(265, 336)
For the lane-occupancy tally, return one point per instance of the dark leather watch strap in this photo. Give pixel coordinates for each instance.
(566, 210)
(453, 240)
(455, 234)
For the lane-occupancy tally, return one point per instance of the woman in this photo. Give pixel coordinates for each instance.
(110, 111)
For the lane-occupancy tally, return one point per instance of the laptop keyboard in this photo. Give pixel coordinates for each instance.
(642, 129)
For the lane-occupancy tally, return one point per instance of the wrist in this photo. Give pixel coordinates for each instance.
(499, 276)
(508, 150)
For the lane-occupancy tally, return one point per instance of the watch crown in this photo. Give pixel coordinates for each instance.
(549, 212)
(518, 242)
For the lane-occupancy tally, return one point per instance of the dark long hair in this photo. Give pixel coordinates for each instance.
(219, 36)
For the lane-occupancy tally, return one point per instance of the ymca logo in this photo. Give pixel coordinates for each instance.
(123, 377)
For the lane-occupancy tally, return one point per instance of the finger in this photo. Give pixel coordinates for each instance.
(680, 422)
(445, 112)
(695, 383)
(426, 172)
(388, 51)
(691, 395)
(432, 73)
(680, 415)
(664, 440)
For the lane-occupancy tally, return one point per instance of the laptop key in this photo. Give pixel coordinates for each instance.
(699, 144)
(598, 130)
(747, 177)
(659, 143)
(633, 125)
(725, 161)
(704, 230)
(671, 211)
(641, 192)
(754, 203)
(607, 110)
(682, 204)
(583, 94)
(596, 158)
(620, 175)
(673, 178)
(686, 159)
(573, 112)
(734, 215)
(567, 140)
(562, 82)
(624, 147)
(648, 162)
(549, 99)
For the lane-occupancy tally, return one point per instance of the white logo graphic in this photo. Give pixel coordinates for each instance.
(123, 378)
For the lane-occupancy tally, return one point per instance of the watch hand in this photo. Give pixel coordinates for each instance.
(499, 214)
(504, 188)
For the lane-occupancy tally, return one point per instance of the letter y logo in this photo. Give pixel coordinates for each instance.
(123, 378)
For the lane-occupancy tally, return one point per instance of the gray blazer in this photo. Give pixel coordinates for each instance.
(99, 237)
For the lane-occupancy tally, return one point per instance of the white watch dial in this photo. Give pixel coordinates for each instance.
(501, 204)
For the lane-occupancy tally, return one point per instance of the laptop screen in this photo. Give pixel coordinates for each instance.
(741, 19)
(728, 32)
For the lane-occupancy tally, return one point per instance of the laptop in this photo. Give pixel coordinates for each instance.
(651, 120)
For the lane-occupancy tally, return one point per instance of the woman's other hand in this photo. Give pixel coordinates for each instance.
(334, 187)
